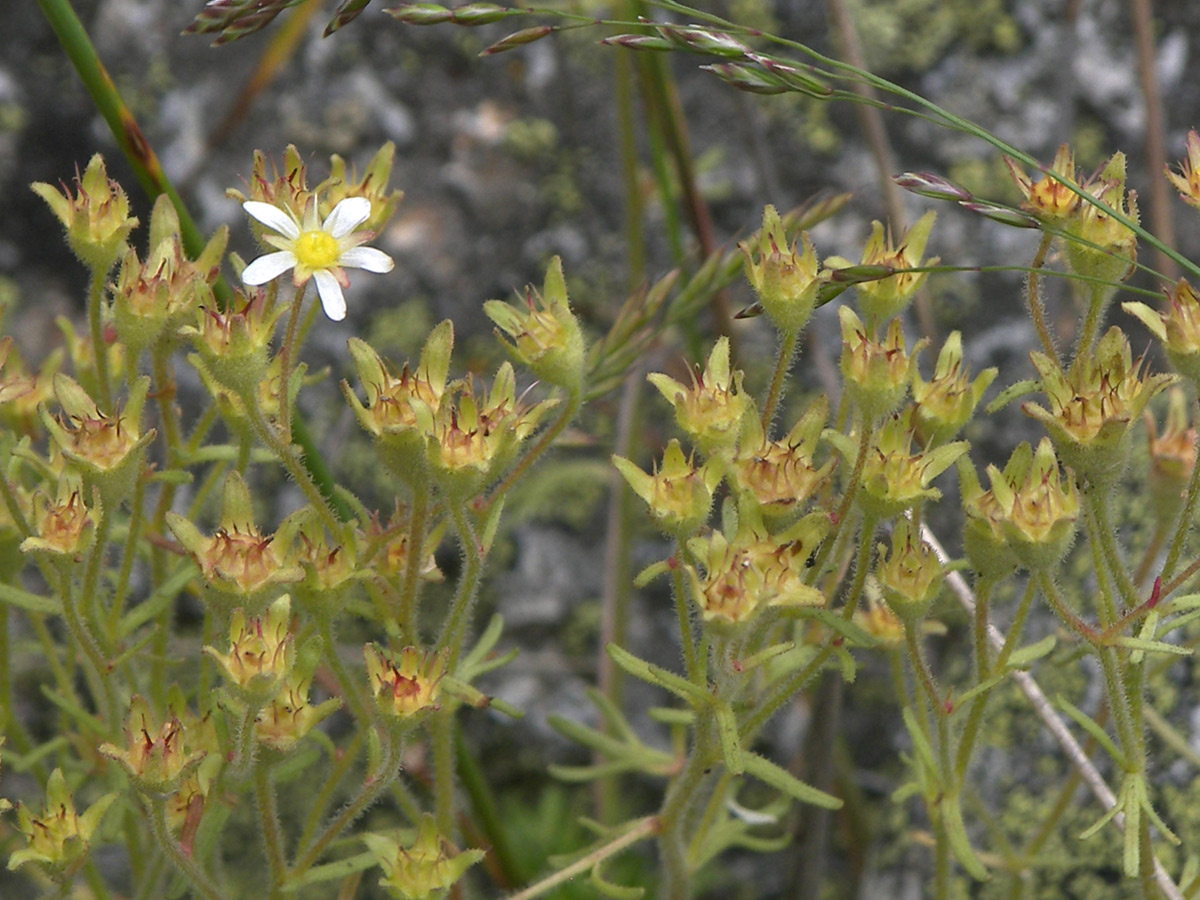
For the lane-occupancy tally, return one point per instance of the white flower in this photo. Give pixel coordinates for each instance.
(320, 251)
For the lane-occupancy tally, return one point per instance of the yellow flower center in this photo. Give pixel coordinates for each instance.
(317, 250)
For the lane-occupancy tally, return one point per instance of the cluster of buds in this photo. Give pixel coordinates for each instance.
(158, 755)
(882, 299)
(1098, 246)
(910, 576)
(678, 494)
(96, 216)
(545, 338)
(710, 412)
(894, 479)
(471, 438)
(390, 413)
(943, 405)
(1093, 405)
(425, 869)
(406, 686)
(106, 448)
(786, 282)
(261, 652)
(238, 561)
(755, 570)
(151, 299)
(1027, 518)
(60, 837)
(877, 373)
(779, 477)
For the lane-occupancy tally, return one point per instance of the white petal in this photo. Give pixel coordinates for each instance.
(269, 267)
(366, 258)
(333, 301)
(273, 217)
(347, 216)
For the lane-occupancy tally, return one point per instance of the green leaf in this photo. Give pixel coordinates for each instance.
(615, 891)
(782, 780)
(332, 871)
(921, 745)
(14, 596)
(677, 685)
(960, 844)
(731, 744)
(1011, 393)
(1088, 724)
(1025, 656)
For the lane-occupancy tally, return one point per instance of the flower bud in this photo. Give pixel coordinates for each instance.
(373, 185)
(238, 561)
(1093, 404)
(885, 298)
(471, 439)
(1187, 182)
(678, 494)
(1172, 458)
(877, 373)
(1106, 249)
(108, 449)
(946, 403)
(96, 217)
(60, 838)
(427, 868)
(152, 299)
(283, 722)
(546, 338)
(157, 756)
(63, 529)
(407, 687)
(261, 652)
(1028, 510)
(389, 415)
(780, 476)
(1052, 199)
(785, 281)
(755, 570)
(911, 575)
(234, 346)
(711, 411)
(1178, 328)
(893, 478)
